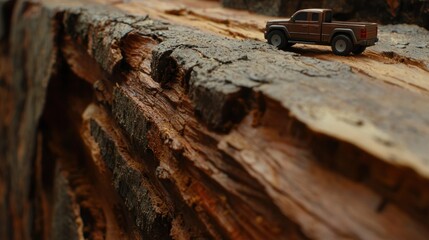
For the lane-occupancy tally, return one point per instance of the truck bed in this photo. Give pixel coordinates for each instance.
(371, 28)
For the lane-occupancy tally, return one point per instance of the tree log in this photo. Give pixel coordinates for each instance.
(119, 125)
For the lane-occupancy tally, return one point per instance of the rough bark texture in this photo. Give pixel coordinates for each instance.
(120, 126)
(383, 11)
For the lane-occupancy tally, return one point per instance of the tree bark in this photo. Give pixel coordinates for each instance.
(117, 125)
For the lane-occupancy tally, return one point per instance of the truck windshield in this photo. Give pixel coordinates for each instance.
(328, 16)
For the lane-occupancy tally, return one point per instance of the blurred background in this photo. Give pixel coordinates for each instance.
(382, 11)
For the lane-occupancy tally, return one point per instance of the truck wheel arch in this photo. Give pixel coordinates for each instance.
(279, 27)
(344, 31)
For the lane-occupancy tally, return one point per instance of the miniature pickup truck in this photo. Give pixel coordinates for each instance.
(315, 26)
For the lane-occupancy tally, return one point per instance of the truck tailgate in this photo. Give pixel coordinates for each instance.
(371, 30)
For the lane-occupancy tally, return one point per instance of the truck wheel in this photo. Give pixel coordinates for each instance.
(341, 45)
(358, 50)
(277, 38)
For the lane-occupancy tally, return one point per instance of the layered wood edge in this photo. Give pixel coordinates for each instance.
(191, 135)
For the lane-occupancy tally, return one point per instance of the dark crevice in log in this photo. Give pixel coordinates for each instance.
(6, 9)
(61, 124)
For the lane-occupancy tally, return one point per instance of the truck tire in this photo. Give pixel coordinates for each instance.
(358, 50)
(341, 45)
(278, 39)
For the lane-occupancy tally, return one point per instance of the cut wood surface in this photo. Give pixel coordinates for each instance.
(176, 120)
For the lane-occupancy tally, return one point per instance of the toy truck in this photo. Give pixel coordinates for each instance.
(315, 26)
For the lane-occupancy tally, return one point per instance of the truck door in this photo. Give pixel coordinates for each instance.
(314, 27)
(299, 29)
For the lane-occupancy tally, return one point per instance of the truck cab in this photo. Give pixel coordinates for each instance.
(315, 26)
(307, 25)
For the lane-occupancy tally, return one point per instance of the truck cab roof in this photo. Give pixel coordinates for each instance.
(318, 10)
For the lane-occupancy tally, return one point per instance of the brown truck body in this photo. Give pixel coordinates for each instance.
(315, 26)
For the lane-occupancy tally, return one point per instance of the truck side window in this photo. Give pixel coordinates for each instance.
(315, 17)
(302, 16)
(328, 17)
